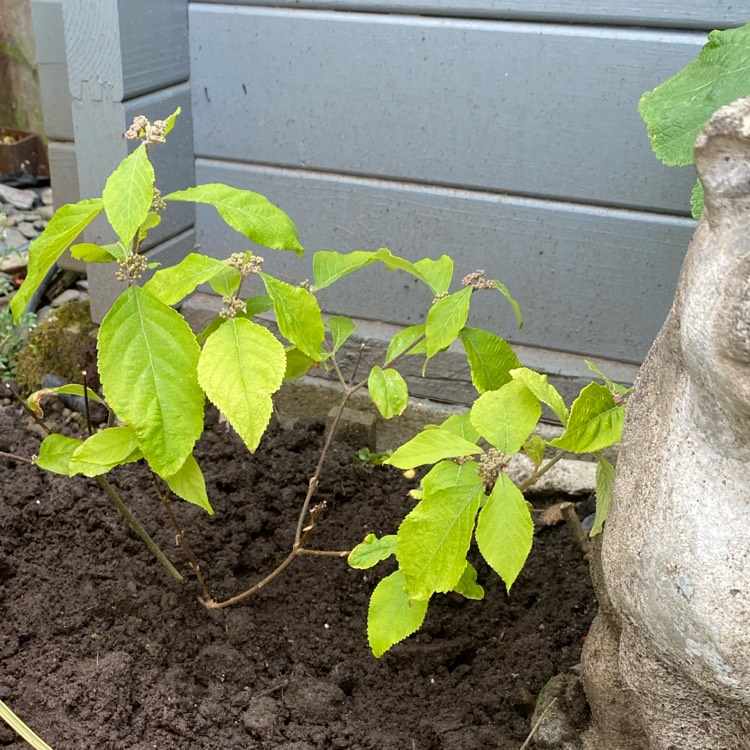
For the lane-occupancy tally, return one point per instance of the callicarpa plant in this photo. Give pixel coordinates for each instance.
(156, 375)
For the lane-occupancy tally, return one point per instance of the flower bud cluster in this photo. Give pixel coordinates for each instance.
(232, 306)
(439, 297)
(253, 264)
(143, 130)
(132, 268)
(491, 464)
(477, 280)
(157, 202)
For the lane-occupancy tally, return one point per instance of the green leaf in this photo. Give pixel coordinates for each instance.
(506, 293)
(226, 282)
(171, 120)
(429, 447)
(151, 221)
(676, 111)
(371, 551)
(55, 453)
(173, 284)
(297, 363)
(66, 224)
(460, 424)
(434, 538)
(403, 340)
(96, 253)
(534, 448)
(248, 213)
(490, 358)
(128, 194)
(614, 387)
(388, 391)
(467, 585)
(253, 306)
(240, 366)
(104, 450)
(595, 421)
(392, 615)
(697, 200)
(297, 315)
(505, 531)
(72, 389)
(605, 477)
(445, 320)
(147, 363)
(544, 391)
(189, 484)
(341, 328)
(329, 266)
(507, 416)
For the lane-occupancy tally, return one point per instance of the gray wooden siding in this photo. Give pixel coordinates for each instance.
(671, 14)
(513, 146)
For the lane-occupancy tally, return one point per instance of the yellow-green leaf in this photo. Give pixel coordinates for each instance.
(189, 484)
(240, 366)
(171, 285)
(104, 450)
(467, 585)
(371, 551)
(605, 477)
(445, 320)
(388, 391)
(490, 358)
(429, 447)
(537, 383)
(55, 453)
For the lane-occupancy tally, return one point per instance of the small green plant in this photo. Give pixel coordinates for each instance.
(12, 333)
(156, 375)
(677, 110)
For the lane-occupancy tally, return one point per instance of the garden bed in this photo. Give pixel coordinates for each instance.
(99, 648)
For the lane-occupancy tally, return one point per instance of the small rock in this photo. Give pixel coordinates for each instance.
(42, 314)
(46, 212)
(27, 216)
(47, 196)
(39, 225)
(82, 284)
(20, 199)
(565, 711)
(27, 230)
(69, 295)
(14, 238)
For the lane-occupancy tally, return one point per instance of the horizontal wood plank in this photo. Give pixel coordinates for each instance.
(529, 109)
(590, 281)
(673, 14)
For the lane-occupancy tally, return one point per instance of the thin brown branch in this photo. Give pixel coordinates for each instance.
(182, 539)
(325, 552)
(87, 410)
(541, 471)
(573, 523)
(537, 724)
(14, 457)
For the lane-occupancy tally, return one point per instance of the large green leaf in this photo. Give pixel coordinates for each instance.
(104, 450)
(388, 391)
(507, 416)
(55, 453)
(676, 111)
(297, 315)
(392, 615)
(505, 531)
(66, 224)
(537, 383)
(460, 424)
(147, 363)
(128, 194)
(91, 253)
(490, 358)
(248, 213)
(240, 366)
(605, 477)
(171, 285)
(429, 447)
(329, 266)
(189, 484)
(371, 551)
(434, 538)
(595, 421)
(445, 320)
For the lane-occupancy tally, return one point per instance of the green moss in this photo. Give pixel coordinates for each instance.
(64, 344)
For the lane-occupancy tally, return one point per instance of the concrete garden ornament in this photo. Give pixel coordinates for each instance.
(667, 663)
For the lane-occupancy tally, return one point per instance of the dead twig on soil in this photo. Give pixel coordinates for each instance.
(537, 724)
(573, 523)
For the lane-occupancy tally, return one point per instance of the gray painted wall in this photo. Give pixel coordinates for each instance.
(503, 133)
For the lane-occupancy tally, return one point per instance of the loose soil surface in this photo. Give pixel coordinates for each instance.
(99, 648)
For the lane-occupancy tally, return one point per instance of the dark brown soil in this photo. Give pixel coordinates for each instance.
(99, 648)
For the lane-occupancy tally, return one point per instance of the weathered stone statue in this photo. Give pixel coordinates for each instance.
(667, 662)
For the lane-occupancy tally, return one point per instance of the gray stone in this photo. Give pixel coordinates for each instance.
(560, 714)
(47, 196)
(20, 199)
(13, 238)
(667, 662)
(46, 212)
(566, 477)
(69, 295)
(27, 230)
